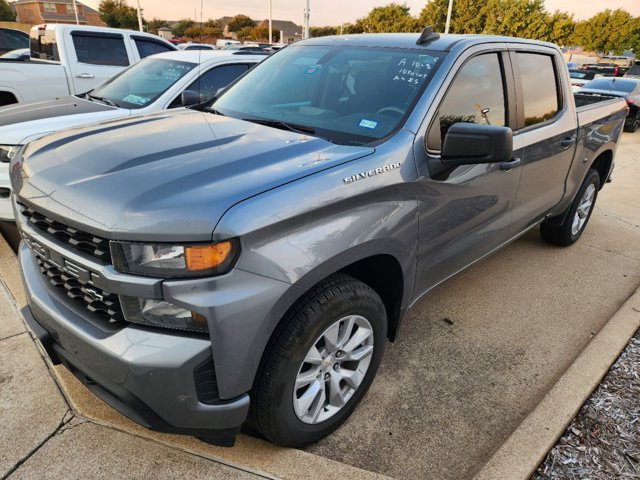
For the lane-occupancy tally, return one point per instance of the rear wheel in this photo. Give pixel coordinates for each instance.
(320, 362)
(577, 215)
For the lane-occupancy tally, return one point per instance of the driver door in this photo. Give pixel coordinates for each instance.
(465, 211)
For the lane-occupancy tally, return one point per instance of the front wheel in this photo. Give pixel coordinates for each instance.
(577, 215)
(320, 362)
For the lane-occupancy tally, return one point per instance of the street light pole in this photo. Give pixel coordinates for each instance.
(75, 10)
(139, 17)
(446, 27)
(270, 21)
(306, 21)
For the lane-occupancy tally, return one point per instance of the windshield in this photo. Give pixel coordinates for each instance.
(611, 84)
(348, 95)
(142, 83)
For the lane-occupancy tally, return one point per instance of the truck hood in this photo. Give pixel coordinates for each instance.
(168, 176)
(25, 122)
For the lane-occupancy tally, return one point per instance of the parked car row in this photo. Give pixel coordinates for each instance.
(626, 88)
(160, 82)
(248, 258)
(73, 59)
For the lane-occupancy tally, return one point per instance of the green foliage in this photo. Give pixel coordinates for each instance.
(118, 14)
(609, 31)
(6, 12)
(155, 24)
(239, 22)
(467, 16)
(322, 31)
(517, 18)
(182, 26)
(258, 34)
(390, 18)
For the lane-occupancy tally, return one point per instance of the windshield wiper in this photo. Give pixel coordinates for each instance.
(282, 125)
(103, 100)
(214, 111)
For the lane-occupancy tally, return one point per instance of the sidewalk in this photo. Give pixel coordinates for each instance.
(42, 438)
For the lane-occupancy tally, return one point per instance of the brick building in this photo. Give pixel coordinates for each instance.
(55, 11)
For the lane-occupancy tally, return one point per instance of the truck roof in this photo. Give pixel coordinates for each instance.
(59, 27)
(202, 56)
(408, 40)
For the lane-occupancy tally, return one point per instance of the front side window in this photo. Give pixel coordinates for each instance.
(147, 48)
(539, 87)
(476, 95)
(143, 83)
(100, 50)
(347, 95)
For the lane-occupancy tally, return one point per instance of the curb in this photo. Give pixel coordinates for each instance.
(520, 455)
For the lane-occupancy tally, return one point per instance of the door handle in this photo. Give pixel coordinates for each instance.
(567, 142)
(510, 164)
(85, 75)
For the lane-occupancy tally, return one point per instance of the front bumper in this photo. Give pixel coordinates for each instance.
(147, 375)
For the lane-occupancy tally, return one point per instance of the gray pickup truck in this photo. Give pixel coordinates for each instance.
(247, 263)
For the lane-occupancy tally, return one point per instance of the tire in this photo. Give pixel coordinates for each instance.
(281, 412)
(577, 215)
(634, 124)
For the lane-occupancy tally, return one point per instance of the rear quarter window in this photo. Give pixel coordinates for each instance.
(100, 50)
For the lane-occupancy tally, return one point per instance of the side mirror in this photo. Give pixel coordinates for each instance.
(470, 144)
(189, 98)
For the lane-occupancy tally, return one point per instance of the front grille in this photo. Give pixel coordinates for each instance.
(87, 243)
(104, 304)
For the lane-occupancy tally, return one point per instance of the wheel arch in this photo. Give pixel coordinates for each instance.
(603, 164)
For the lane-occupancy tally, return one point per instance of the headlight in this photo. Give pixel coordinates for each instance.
(175, 260)
(158, 313)
(7, 152)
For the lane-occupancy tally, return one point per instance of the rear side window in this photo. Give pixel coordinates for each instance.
(146, 47)
(539, 87)
(476, 96)
(100, 50)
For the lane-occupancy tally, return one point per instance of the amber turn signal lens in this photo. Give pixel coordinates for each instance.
(207, 257)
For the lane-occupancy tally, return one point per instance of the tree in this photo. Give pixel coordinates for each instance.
(467, 16)
(155, 24)
(561, 28)
(239, 22)
(608, 31)
(179, 28)
(118, 14)
(390, 18)
(322, 31)
(6, 12)
(516, 18)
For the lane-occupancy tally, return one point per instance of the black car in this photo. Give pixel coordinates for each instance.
(627, 88)
(11, 39)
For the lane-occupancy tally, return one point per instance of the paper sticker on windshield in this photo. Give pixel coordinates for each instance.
(313, 69)
(364, 123)
(135, 99)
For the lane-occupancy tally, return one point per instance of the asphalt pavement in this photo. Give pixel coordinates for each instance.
(473, 359)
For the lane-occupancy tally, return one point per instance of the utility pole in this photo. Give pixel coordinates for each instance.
(270, 21)
(446, 27)
(139, 17)
(306, 21)
(75, 10)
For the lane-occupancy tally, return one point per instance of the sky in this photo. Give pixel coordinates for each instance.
(332, 12)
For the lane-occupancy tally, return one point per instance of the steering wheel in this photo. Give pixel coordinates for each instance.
(395, 110)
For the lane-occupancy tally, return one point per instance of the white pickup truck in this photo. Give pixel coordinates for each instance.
(71, 59)
(164, 81)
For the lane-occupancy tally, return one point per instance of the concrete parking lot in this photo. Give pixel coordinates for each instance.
(472, 360)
